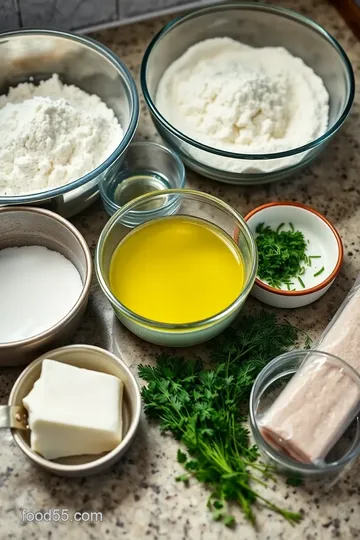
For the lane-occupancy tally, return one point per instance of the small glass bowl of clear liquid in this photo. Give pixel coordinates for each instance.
(146, 167)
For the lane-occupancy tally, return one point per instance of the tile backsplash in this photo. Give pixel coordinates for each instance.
(82, 14)
(9, 17)
(66, 14)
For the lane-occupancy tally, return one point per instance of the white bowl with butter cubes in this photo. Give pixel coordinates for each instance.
(82, 406)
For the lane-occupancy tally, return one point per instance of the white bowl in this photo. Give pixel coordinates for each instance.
(324, 241)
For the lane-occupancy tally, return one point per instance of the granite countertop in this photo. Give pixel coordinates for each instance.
(139, 498)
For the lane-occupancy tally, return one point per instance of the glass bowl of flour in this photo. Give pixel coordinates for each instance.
(68, 111)
(246, 93)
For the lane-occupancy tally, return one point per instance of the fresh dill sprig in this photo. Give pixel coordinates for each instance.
(319, 272)
(206, 408)
(282, 255)
(301, 282)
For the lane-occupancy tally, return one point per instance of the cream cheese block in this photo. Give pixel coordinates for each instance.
(74, 411)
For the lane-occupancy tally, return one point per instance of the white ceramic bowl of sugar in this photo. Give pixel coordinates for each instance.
(323, 241)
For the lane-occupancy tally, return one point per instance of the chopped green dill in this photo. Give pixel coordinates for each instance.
(205, 408)
(301, 282)
(282, 255)
(315, 256)
(319, 272)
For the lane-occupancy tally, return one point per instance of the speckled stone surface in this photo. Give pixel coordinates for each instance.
(139, 498)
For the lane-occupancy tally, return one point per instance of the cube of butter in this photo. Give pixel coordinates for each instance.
(74, 411)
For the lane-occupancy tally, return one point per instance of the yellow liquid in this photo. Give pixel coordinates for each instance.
(177, 270)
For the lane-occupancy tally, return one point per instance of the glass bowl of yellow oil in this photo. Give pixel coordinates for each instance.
(180, 278)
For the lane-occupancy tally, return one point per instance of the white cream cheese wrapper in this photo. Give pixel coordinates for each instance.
(74, 411)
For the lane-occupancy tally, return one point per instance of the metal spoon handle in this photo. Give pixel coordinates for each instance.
(14, 416)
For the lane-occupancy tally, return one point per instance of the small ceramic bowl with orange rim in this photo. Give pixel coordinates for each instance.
(325, 250)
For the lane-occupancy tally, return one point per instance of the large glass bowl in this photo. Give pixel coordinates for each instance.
(257, 25)
(166, 203)
(37, 54)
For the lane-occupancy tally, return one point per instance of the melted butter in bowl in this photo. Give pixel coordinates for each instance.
(177, 270)
(177, 280)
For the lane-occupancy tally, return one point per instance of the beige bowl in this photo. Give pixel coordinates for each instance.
(26, 226)
(96, 359)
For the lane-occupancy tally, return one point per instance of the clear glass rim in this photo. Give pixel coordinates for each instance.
(169, 326)
(281, 459)
(139, 145)
(282, 12)
(128, 135)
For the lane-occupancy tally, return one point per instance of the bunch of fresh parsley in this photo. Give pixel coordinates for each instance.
(205, 409)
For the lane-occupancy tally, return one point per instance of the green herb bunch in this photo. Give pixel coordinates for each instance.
(205, 409)
(282, 256)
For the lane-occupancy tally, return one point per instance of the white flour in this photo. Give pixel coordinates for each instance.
(52, 134)
(38, 287)
(240, 99)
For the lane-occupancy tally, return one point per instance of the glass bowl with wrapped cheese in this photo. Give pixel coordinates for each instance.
(83, 408)
(303, 408)
(305, 405)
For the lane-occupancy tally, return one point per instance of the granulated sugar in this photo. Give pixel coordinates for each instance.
(38, 287)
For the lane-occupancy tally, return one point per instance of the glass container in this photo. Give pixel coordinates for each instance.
(186, 203)
(257, 25)
(146, 167)
(268, 385)
(35, 55)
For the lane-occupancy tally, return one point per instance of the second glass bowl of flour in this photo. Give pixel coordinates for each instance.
(248, 94)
